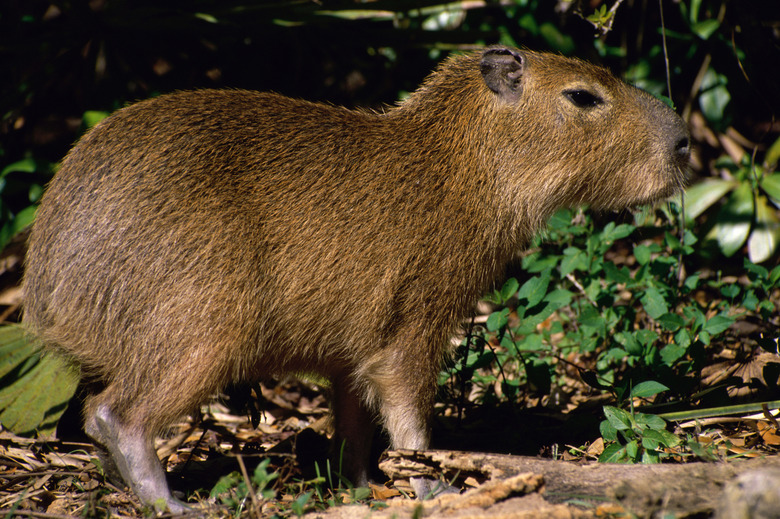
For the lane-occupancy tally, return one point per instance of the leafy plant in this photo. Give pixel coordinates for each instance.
(233, 490)
(332, 489)
(21, 185)
(301, 503)
(751, 195)
(34, 389)
(635, 437)
(640, 323)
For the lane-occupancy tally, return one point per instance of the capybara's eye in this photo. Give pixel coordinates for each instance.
(583, 98)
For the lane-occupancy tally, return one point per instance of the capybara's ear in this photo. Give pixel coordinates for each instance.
(502, 70)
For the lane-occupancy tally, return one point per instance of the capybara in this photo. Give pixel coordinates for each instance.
(206, 238)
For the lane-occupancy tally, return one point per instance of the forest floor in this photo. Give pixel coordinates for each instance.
(221, 452)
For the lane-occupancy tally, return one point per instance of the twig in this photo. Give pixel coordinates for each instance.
(613, 14)
(250, 488)
(603, 28)
(32, 513)
(8, 311)
(666, 52)
(580, 288)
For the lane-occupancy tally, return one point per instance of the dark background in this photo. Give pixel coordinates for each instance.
(61, 58)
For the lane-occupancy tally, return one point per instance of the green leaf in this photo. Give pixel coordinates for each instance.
(699, 197)
(648, 389)
(620, 420)
(757, 270)
(612, 232)
(718, 324)
(509, 289)
(478, 360)
(613, 453)
(573, 259)
(671, 322)
(730, 291)
(34, 193)
(591, 318)
(629, 343)
(660, 436)
(300, 504)
(632, 449)
(705, 28)
(528, 22)
(650, 421)
(683, 338)
(714, 95)
(734, 220)
(559, 298)
(774, 276)
(92, 117)
(654, 303)
(692, 281)
(206, 17)
(594, 289)
(646, 337)
(671, 353)
(642, 253)
(766, 232)
(23, 219)
(750, 301)
(35, 389)
(615, 274)
(608, 432)
(537, 262)
(650, 456)
(771, 183)
(28, 165)
(532, 342)
(650, 441)
(534, 289)
(498, 319)
(773, 155)
(225, 484)
(560, 220)
(23, 166)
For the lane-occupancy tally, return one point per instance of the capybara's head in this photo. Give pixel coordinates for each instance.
(592, 138)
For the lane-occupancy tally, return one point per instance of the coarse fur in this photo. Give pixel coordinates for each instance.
(210, 237)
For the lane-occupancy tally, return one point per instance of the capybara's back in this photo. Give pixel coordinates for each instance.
(210, 237)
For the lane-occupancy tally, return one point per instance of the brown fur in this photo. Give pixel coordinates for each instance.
(207, 237)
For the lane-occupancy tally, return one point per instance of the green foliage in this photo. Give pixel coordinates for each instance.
(638, 320)
(601, 16)
(333, 489)
(301, 503)
(634, 437)
(21, 185)
(233, 490)
(34, 389)
(742, 208)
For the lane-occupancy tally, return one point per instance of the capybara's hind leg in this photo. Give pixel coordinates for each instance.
(131, 454)
(354, 433)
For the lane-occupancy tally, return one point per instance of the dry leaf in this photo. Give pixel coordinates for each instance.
(382, 492)
(596, 448)
(768, 433)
